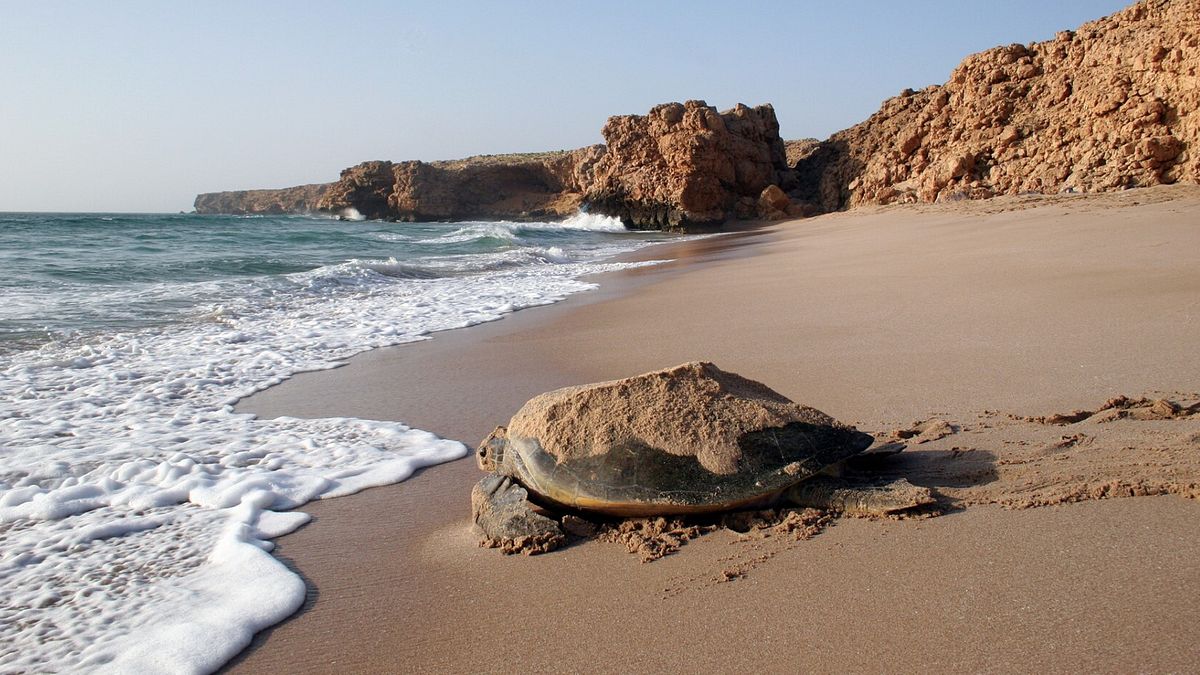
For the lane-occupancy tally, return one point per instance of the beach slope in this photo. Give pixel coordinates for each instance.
(1072, 541)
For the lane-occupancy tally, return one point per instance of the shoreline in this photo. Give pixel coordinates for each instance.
(896, 343)
(292, 397)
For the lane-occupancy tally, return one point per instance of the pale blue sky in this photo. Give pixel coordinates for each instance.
(137, 106)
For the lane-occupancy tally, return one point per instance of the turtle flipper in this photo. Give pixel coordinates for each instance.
(860, 499)
(506, 520)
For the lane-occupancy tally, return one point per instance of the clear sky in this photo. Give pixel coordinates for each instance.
(122, 105)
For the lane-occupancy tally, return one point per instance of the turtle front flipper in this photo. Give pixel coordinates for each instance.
(506, 520)
(859, 499)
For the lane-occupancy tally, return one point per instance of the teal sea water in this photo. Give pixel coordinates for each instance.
(137, 508)
(72, 273)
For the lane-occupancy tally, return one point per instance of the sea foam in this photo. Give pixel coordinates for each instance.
(137, 508)
(593, 222)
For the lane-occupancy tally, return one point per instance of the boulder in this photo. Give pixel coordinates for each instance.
(773, 203)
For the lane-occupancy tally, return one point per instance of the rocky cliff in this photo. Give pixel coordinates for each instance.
(1115, 104)
(682, 166)
(300, 199)
(686, 166)
(512, 187)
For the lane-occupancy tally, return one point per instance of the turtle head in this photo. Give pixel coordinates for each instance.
(490, 453)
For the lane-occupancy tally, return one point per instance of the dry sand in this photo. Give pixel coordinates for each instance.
(960, 329)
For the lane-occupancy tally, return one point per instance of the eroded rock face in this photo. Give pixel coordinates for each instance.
(366, 188)
(685, 165)
(300, 199)
(682, 166)
(1115, 104)
(527, 186)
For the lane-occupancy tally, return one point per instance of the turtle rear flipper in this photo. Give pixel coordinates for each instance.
(507, 521)
(860, 499)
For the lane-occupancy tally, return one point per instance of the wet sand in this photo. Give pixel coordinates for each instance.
(976, 313)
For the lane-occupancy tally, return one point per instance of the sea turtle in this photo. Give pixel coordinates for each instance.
(691, 439)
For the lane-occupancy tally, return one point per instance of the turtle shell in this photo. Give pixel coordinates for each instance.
(689, 439)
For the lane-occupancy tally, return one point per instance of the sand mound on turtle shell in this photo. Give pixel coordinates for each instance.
(694, 409)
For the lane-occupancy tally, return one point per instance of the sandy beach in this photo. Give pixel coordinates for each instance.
(1067, 547)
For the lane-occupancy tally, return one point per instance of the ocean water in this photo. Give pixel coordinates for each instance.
(137, 508)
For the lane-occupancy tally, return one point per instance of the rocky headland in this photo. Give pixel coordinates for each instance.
(1110, 106)
(513, 187)
(299, 199)
(683, 166)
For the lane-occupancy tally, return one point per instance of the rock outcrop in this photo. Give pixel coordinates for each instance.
(683, 166)
(512, 187)
(686, 166)
(299, 199)
(1115, 104)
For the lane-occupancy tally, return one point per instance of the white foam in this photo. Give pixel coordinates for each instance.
(553, 254)
(473, 231)
(581, 221)
(136, 508)
(593, 222)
